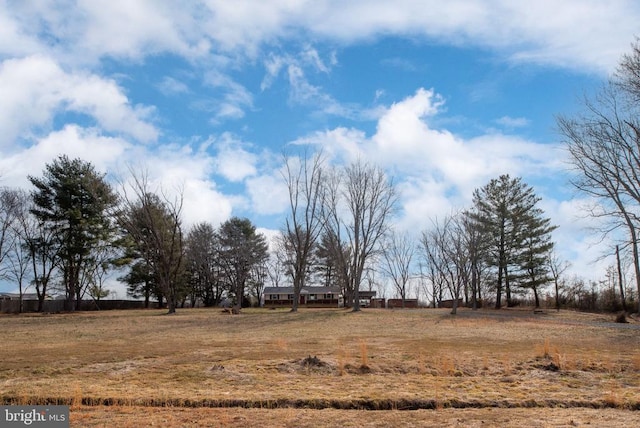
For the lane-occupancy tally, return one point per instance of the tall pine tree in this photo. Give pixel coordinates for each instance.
(73, 201)
(516, 234)
(535, 245)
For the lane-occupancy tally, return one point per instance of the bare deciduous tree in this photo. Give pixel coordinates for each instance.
(557, 268)
(18, 257)
(397, 258)
(303, 177)
(40, 245)
(447, 256)
(605, 156)
(359, 202)
(10, 205)
(155, 225)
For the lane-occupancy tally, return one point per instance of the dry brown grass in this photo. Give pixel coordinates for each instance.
(275, 362)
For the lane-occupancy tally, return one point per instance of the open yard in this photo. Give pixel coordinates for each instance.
(331, 367)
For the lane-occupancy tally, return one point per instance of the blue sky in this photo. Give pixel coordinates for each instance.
(205, 95)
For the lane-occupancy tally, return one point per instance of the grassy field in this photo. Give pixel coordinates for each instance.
(330, 367)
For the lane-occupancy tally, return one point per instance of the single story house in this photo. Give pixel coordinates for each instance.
(309, 296)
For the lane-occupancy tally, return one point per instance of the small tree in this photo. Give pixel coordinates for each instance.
(18, 260)
(98, 292)
(202, 266)
(557, 268)
(446, 255)
(397, 257)
(10, 209)
(240, 249)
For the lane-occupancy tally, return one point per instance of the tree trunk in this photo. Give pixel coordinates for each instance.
(624, 303)
(507, 287)
(636, 265)
(499, 289)
(454, 306)
(356, 297)
(171, 303)
(239, 296)
(296, 294)
(474, 287)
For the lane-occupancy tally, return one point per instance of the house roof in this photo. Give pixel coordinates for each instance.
(305, 290)
(367, 293)
(16, 296)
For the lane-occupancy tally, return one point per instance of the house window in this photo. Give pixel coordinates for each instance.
(273, 297)
(312, 297)
(290, 296)
(329, 296)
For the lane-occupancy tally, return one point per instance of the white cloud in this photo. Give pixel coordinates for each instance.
(268, 194)
(436, 170)
(204, 203)
(173, 169)
(76, 142)
(171, 86)
(35, 90)
(14, 40)
(572, 33)
(341, 145)
(82, 32)
(311, 56)
(273, 64)
(405, 140)
(232, 161)
(512, 122)
(233, 100)
(306, 94)
(302, 91)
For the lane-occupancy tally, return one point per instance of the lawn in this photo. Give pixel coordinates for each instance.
(203, 367)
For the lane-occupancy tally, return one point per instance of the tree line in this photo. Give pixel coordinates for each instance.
(73, 230)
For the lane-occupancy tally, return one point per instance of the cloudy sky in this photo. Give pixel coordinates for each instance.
(205, 95)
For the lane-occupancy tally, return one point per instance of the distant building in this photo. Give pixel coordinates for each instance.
(365, 297)
(397, 303)
(309, 297)
(25, 296)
